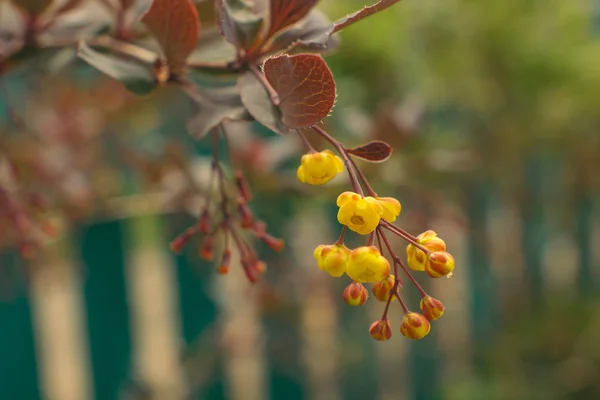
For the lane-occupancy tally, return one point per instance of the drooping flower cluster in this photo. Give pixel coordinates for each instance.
(372, 216)
(226, 220)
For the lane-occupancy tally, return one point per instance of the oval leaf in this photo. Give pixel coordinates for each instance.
(238, 23)
(305, 87)
(375, 151)
(175, 25)
(136, 76)
(258, 103)
(287, 12)
(214, 107)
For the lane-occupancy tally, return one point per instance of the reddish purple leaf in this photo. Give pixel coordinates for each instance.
(375, 151)
(305, 87)
(287, 12)
(175, 25)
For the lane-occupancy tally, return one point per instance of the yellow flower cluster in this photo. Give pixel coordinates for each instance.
(365, 264)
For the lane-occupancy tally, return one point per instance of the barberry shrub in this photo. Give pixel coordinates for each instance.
(264, 62)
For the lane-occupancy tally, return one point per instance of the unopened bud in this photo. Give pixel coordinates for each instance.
(381, 330)
(274, 243)
(439, 263)
(225, 262)
(414, 326)
(242, 186)
(432, 308)
(382, 289)
(246, 217)
(203, 224)
(177, 244)
(355, 294)
(428, 240)
(207, 248)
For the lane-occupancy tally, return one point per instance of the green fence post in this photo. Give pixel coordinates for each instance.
(533, 228)
(286, 373)
(18, 365)
(483, 312)
(107, 312)
(583, 237)
(198, 310)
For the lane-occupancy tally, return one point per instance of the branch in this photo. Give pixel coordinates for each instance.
(361, 14)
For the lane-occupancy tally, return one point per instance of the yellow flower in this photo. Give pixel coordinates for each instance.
(366, 264)
(360, 214)
(319, 168)
(391, 208)
(414, 326)
(416, 257)
(332, 258)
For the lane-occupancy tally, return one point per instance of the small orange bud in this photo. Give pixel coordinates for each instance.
(246, 217)
(381, 330)
(416, 257)
(355, 294)
(204, 222)
(274, 243)
(432, 308)
(382, 289)
(439, 263)
(225, 262)
(207, 247)
(242, 186)
(414, 326)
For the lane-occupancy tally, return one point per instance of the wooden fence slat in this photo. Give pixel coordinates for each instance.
(18, 364)
(107, 310)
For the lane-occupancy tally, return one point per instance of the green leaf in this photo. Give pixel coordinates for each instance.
(136, 77)
(238, 23)
(258, 103)
(212, 47)
(214, 107)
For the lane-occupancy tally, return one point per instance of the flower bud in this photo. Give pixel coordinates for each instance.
(274, 243)
(439, 263)
(355, 294)
(319, 168)
(414, 326)
(246, 217)
(382, 289)
(416, 257)
(332, 259)
(207, 248)
(432, 308)
(203, 224)
(242, 185)
(225, 262)
(381, 330)
(366, 264)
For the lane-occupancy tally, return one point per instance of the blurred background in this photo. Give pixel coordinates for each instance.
(492, 108)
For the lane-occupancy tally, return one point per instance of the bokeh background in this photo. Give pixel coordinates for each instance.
(493, 110)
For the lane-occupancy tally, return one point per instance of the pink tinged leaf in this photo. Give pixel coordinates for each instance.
(175, 25)
(305, 86)
(375, 151)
